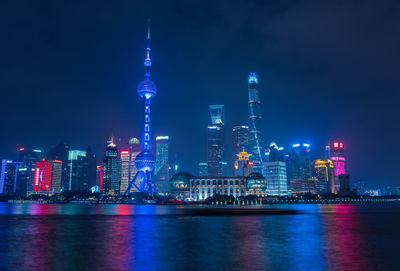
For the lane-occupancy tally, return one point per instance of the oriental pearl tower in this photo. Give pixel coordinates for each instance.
(145, 160)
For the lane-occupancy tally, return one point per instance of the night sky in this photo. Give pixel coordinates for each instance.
(327, 70)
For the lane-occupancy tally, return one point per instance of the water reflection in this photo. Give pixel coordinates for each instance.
(128, 237)
(346, 245)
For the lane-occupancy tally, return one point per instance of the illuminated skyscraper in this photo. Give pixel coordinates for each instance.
(255, 123)
(145, 161)
(77, 170)
(240, 141)
(134, 150)
(323, 170)
(60, 152)
(202, 169)
(298, 162)
(56, 175)
(335, 152)
(161, 170)
(25, 177)
(128, 169)
(112, 170)
(8, 176)
(125, 159)
(161, 153)
(275, 153)
(42, 179)
(243, 166)
(215, 141)
(275, 174)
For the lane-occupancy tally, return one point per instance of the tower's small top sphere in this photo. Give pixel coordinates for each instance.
(147, 89)
(134, 141)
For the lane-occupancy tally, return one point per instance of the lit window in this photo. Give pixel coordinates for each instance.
(335, 145)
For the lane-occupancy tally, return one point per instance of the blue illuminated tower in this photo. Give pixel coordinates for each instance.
(255, 123)
(145, 160)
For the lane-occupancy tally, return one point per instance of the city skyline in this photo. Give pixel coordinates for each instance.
(46, 120)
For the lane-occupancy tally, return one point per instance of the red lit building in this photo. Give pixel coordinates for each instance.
(335, 152)
(42, 178)
(101, 176)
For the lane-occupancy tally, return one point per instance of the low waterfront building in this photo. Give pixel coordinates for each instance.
(179, 185)
(304, 185)
(256, 184)
(202, 188)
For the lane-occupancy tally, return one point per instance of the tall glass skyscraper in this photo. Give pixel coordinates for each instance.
(161, 169)
(335, 152)
(255, 123)
(323, 170)
(112, 169)
(77, 170)
(215, 141)
(298, 162)
(202, 169)
(275, 173)
(240, 142)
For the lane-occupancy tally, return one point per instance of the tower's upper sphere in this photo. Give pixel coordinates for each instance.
(147, 89)
(145, 161)
(134, 141)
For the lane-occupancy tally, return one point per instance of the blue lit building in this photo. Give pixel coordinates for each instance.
(275, 173)
(298, 162)
(145, 161)
(8, 176)
(216, 166)
(112, 170)
(255, 123)
(161, 170)
(275, 153)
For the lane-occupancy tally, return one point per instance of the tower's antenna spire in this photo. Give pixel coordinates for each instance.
(147, 61)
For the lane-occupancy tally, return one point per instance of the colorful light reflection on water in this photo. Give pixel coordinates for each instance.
(149, 237)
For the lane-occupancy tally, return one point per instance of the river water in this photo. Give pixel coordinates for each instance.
(35, 236)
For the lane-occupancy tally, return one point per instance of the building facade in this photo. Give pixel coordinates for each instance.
(125, 166)
(240, 142)
(56, 176)
(243, 166)
(256, 184)
(77, 170)
(275, 173)
(323, 170)
(111, 170)
(215, 141)
(60, 152)
(179, 185)
(9, 176)
(335, 152)
(304, 186)
(42, 179)
(275, 153)
(298, 162)
(202, 169)
(202, 188)
(134, 150)
(161, 169)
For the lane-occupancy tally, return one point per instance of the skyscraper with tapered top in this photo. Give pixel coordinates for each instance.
(255, 123)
